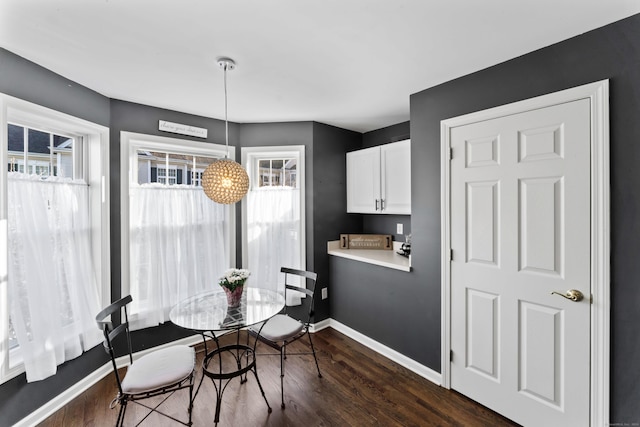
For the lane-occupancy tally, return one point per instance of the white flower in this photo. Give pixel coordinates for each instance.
(234, 276)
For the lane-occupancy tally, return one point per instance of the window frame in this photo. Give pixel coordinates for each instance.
(280, 174)
(130, 144)
(250, 161)
(93, 158)
(39, 160)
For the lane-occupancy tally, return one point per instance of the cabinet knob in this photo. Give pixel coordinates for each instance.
(377, 204)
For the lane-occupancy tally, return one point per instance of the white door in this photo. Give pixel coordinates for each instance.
(520, 230)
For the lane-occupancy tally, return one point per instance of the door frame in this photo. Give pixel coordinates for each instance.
(598, 94)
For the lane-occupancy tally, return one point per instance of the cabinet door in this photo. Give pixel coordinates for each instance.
(395, 162)
(363, 181)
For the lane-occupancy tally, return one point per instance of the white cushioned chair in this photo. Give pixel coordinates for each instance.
(162, 371)
(283, 329)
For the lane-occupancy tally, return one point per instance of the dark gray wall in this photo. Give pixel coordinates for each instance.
(325, 189)
(25, 80)
(393, 133)
(611, 52)
(377, 301)
(330, 145)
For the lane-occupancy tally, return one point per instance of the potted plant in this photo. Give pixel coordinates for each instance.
(233, 284)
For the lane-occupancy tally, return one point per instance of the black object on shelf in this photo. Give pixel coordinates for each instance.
(405, 250)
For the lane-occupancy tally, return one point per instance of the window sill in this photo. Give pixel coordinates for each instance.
(384, 258)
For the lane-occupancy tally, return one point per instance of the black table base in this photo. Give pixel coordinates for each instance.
(240, 360)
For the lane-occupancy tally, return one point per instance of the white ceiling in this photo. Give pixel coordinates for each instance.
(348, 63)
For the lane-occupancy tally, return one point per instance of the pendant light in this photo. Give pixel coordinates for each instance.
(224, 181)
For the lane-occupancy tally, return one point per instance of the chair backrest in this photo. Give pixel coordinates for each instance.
(105, 323)
(309, 278)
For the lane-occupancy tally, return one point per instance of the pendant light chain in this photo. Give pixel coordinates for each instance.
(226, 120)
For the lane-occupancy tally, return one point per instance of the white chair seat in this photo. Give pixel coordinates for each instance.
(279, 327)
(162, 367)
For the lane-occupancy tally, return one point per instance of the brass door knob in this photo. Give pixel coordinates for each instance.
(572, 294)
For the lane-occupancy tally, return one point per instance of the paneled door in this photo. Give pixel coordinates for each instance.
(520, 232)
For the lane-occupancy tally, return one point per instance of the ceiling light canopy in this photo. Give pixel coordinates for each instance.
(225, 181)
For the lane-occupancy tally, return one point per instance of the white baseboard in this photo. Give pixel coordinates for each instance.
(399, 358)
(48, 409)
(315, 327)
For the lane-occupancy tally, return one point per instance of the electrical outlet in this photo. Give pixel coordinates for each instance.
(399, 228)
(325, 293)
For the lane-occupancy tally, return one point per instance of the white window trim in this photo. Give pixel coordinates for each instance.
(249, 159)
(96, 174)
(130, 144)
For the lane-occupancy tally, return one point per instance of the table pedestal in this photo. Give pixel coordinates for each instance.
(225, 363)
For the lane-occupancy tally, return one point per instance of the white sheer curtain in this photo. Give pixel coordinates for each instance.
(177, 248)
(273, 235)
(52, 285)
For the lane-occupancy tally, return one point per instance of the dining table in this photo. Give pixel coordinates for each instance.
(209, 314)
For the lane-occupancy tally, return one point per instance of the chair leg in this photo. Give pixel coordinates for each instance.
(123, 409)
(192, 379)
(282, 357)
(264, 396)
(314, 355)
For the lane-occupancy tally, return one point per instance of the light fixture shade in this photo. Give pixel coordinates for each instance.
(225, 181)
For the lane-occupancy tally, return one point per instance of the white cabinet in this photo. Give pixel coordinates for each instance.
(395, 182)
(363, 181)
(379, 179)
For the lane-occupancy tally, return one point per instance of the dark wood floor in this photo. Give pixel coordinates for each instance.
(359, 388)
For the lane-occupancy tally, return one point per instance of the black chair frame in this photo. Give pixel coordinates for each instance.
(110, 334)
(281, 346)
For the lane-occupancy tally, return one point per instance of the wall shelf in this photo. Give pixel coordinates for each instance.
(384, 258)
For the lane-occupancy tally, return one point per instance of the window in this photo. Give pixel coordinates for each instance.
(277, 172)
(176, 241)
(182, 168)
(196, 177)
(167, 175)
(44, 153)
(273, 213)
(54, 271)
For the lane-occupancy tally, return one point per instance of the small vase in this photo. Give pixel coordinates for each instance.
(234, 297)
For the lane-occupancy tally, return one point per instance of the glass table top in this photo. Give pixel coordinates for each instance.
(208, 311)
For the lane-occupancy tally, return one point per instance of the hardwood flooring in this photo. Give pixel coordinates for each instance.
(359, 387)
